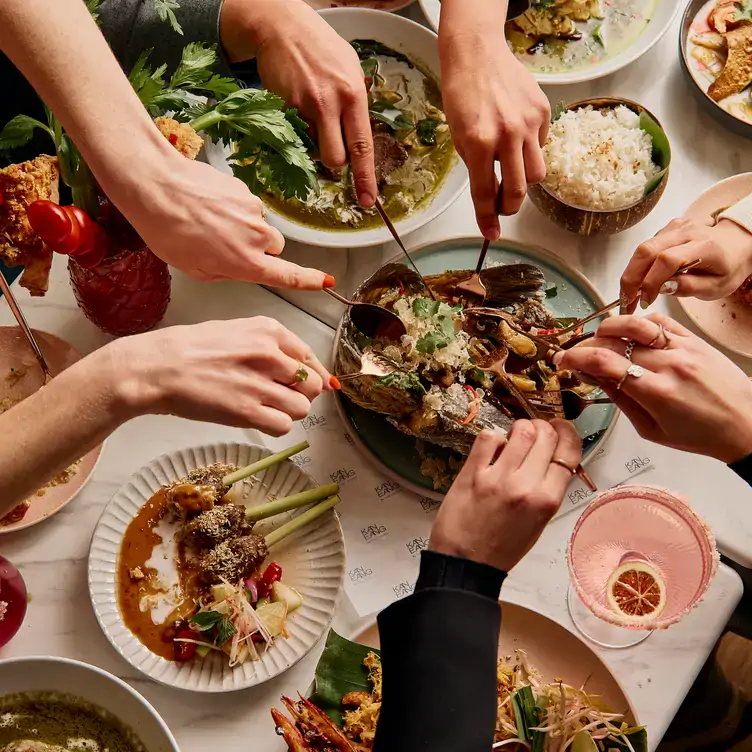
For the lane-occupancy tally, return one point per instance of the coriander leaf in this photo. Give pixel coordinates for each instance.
(205, 620)
(387, 113)
(425, 307)
(20, 130)
(225, 630)
(429, 343)
(744, 12)
(166, 11)
(409, 381)
(445, 324)
(426, 130)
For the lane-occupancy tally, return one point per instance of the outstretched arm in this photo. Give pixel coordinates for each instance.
(194, 217)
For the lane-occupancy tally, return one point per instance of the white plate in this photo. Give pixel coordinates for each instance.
(421, 45)
(313, 560)
(665, 12)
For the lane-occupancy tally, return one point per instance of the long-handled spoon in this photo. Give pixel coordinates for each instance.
(392, 229)
(373, 320)
(14, 307)
(474, 286)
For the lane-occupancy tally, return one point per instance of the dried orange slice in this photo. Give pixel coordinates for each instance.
(636, 592)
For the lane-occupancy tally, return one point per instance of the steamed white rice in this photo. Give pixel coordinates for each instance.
(599, 159)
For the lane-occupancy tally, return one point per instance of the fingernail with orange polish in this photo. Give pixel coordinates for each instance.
(329, 281)
(334, 383)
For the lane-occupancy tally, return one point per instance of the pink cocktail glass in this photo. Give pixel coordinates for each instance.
(642, 525)
(13, 601)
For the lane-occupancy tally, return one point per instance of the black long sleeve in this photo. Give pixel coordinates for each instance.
(743, 468)
(439, 651)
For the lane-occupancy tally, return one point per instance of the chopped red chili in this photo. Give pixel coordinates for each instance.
(473, 406)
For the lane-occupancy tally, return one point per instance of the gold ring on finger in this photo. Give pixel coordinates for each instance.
(565, 465)
(301, 375)
(658, 337)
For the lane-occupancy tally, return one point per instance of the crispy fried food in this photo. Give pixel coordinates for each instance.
(557, 20)
(737, 72)
(744, 293)
(20, 185)
(312, 729)
(181, 136)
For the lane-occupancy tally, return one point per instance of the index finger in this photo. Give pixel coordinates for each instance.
(357, 127)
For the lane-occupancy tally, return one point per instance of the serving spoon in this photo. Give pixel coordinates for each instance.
(373, 320)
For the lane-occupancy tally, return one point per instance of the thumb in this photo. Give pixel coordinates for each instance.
(702, 286)
(277, 272)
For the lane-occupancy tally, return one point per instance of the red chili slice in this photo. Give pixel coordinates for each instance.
(185, 651)
(473, 406)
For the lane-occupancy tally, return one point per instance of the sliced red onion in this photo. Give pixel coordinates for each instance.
(250, 583)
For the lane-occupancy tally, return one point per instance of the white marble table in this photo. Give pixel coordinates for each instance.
(53, 556)
(703, 154)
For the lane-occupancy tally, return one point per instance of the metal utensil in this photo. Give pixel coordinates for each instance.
(474, 286)
(373, 320)
(14, 307)
(372, 364)
(572, 403)
(388, 222)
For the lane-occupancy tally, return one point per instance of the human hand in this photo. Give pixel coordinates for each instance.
(725, 250)
(239, 373)
(507, 492)
(211, 226)
(690, 396)
(301, 58)
(494, 107)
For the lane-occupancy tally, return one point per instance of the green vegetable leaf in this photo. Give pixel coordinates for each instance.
(340, 670)
(407, 380)
(205, 620)
(387, 113)
(369, 48)
(93, 7)
(20, 130)
(429, 343)
(744, 12)
(558, 111)
(166, 12)
(598, 35)
(301, 128)
(194, 72)
(370, 67)
(147, 83)
(426, 130)
(552, 291)
(225, 630)
(425, 307)
(661, 150)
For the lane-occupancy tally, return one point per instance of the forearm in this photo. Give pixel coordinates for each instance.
(439, 651)
(80, 80)
(54, 427)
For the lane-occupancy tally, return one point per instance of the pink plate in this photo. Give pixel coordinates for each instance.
(727, 321)
(388, 5)
(556, 652)
(24, 379)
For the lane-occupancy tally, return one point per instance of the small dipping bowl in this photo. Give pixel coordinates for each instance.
(586, 221)
(708, 105)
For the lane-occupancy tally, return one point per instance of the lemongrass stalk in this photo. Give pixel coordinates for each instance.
(300, 521)
(270, 461)
(270, 508)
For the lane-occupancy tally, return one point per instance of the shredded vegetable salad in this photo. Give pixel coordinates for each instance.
(241, 620)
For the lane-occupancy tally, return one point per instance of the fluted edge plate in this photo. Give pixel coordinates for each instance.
(312, 559)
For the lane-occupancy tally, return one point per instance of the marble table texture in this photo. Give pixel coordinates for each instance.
(656, 674)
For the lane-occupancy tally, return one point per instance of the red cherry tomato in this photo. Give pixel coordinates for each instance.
(184, 651)
(100, 246)
(50, 221)
(86, 234)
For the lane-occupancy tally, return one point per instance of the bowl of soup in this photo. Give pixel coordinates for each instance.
(54, 703)
(417, 168)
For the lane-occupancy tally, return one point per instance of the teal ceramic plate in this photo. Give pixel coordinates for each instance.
(575, 297)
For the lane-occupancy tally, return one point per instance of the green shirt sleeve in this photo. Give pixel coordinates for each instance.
(132, 26)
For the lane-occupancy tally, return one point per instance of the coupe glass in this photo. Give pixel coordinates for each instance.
(641, 525)
(12, 601)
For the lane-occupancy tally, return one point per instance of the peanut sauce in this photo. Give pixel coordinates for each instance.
(138, 544)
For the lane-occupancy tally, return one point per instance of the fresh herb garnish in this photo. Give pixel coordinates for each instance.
(20, 130)
(558, 111)
(93, 7)
(661, 150)
(426, 130)
(387, 113)
(407, 380)
(205, 620)
(166, 12)
(438, 339)
(225, 630)
(552, 291)
(425, 307)
(370, 48)
(370, 67)
(598, 36)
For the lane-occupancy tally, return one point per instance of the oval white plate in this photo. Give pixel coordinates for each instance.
(313, 561)
(665, 12)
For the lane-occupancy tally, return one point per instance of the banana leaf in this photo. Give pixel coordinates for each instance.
(661, 149)
(340, 670)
